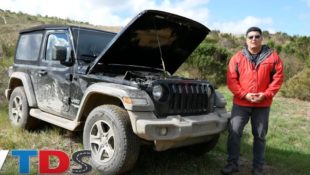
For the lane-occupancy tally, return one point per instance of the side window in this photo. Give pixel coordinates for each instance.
(28, 47)
(56, 40)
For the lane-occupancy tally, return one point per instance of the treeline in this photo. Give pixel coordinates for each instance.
(210, 59)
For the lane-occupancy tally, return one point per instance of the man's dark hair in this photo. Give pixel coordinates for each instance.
(255, 29)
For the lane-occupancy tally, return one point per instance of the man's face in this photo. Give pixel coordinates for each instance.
(254, 40)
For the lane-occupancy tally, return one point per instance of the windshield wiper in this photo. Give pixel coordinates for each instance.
(89, 55)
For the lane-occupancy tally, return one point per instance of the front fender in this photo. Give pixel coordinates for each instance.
(139, 98)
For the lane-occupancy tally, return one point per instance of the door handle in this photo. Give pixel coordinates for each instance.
(42, 72)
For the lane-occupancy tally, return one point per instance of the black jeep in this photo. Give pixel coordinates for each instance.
(116, 87)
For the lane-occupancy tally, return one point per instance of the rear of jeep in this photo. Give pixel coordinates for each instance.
(127, 93)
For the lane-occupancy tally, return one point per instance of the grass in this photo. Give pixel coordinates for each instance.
(47, 137)
(288, 141)
(288, 138)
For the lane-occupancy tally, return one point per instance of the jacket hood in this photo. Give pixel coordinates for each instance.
(262, 55)
(153, 39)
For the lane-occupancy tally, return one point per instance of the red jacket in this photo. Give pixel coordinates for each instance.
(244, 77)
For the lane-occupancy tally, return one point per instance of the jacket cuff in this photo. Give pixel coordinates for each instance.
(268, 95)
(243, 94)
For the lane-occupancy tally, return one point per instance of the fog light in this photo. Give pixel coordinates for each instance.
(163, 131)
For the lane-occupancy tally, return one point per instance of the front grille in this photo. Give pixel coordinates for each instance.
(185, 99)
(188, 98)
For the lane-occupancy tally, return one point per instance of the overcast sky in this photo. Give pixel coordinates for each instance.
(230, 16)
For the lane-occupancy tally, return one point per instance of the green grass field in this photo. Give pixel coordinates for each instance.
(288, 150)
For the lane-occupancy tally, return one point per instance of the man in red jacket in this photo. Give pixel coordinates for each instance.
(254, 76)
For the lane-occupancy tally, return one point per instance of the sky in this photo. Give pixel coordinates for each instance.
(228, 16)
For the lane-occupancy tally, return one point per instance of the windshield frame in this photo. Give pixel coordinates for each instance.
(98, 39)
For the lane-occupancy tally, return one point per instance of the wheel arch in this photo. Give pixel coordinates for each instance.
(107, 93)
(94, 100)
(22, 79)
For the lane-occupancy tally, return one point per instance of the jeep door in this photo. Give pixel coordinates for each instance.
(53, 78)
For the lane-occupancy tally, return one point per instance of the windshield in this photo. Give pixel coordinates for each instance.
(90, 43)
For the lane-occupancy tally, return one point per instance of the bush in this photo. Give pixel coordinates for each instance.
(4, 64)
(209, 62)
(271, 44)
(298, 86)
(278, 48)
(292, 65)
(8, 50)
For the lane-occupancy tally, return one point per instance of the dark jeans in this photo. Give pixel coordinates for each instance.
(259, 121)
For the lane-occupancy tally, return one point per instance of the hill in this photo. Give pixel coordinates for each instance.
(207, 62)
(288, 138)
(10, 25)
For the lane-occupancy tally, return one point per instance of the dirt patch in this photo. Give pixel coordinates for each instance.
(246, 168)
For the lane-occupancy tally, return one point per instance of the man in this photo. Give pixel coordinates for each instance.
(254, 76)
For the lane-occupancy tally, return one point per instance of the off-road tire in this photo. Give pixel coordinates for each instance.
(119, 144)
(19, 110)
(202, 148)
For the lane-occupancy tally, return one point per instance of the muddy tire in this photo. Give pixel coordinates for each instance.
(19, 110)
(108, 135)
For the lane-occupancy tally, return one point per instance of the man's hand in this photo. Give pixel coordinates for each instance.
(250, 97)
(260, 97)
(255, 97)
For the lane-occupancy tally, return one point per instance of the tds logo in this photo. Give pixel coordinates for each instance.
(44, 157)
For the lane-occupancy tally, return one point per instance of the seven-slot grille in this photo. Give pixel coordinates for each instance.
(188, 98)
(184, 98)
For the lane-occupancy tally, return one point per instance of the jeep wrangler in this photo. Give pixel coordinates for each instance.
(117, 88)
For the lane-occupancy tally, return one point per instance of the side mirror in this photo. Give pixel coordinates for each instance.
(63, 54)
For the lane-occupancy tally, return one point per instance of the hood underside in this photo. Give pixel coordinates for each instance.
(151, 39)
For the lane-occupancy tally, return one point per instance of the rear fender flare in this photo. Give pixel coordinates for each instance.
(26, 83)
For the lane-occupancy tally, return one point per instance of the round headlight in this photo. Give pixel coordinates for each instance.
(158, 92)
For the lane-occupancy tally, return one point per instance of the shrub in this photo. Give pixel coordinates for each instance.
(292, 65)
(8, 50)
(271, 44)
(209, 62)
(5, 62)
(278, 48)
(298, 86)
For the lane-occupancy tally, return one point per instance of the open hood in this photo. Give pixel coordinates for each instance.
(151, 39)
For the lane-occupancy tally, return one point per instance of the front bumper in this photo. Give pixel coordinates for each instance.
(148, 127)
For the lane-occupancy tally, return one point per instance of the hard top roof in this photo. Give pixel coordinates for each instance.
(57, 27)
